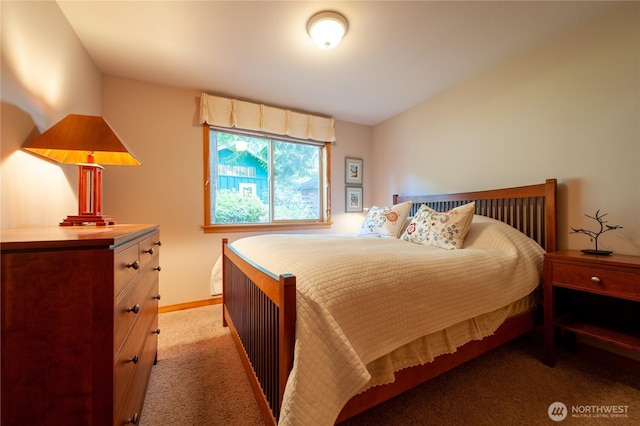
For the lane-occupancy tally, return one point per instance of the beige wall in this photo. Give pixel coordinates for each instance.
(569, 109)
(46, 74)
(160, 125)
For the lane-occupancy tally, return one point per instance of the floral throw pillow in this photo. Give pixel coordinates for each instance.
(385, 221)
(446, 230)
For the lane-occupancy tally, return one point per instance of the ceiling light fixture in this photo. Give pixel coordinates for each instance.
(327, 29)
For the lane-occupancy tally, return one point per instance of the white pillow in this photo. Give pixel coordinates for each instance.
(385, 221)
(446, 230)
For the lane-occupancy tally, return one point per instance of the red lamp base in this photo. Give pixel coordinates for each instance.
(86, 219)
(89, 197)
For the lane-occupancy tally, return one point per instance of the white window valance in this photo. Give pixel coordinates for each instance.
(225, 112)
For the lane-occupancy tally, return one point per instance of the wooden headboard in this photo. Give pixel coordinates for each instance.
(530, 209)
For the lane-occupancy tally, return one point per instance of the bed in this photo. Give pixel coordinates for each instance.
(306, 363)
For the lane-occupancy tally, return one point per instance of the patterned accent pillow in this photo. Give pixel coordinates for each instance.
(385, 221)
(446, 230)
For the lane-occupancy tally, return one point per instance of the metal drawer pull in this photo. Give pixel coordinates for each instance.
(134, 420)
(156, 331)
(595, 280)
(135, 309)
(134, 265)
(134, 360)
(157, 268)
(156, 297)
(159, 243)
(150, 251)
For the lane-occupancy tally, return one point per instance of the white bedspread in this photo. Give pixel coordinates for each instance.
(359, 299)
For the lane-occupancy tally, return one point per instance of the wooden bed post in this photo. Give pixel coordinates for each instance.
(551, 215)
(224, 320)
(286, 328)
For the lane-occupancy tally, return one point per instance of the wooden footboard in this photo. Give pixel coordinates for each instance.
(260, 310)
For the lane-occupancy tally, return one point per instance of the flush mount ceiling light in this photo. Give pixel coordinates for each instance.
(327, 29)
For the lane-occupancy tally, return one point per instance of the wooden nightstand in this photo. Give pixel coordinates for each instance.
(595, 296)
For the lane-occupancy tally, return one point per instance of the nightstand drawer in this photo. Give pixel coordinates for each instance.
(597, 280)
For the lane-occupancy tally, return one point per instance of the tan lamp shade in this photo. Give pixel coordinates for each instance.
(71, 139)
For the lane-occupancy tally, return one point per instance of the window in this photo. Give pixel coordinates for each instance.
(261, 181)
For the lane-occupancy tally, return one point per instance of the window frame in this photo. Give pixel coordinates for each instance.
(208, 227)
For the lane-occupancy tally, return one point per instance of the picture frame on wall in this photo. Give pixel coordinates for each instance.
(353, 171)
(353, 199)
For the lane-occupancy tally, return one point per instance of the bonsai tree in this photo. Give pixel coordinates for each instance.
(593, 235)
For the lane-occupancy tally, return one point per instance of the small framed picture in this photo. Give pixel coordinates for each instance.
(353, 171)
(353, 199)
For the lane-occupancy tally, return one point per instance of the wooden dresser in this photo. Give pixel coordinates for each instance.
(79, 323)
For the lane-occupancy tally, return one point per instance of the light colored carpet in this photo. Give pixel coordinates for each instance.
(199, 380)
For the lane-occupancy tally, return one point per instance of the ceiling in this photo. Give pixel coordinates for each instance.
(394, 55)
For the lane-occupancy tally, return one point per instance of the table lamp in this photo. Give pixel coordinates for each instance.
(89, 142)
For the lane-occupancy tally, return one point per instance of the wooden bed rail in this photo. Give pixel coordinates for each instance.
(530, 209)
(260, 309)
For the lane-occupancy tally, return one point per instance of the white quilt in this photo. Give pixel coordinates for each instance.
(359, 299)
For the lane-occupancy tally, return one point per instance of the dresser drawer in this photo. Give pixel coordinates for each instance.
(132, 403)
(599, 280)
(126, 267)
(136, 302)
(149, 249)
(136, 347)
